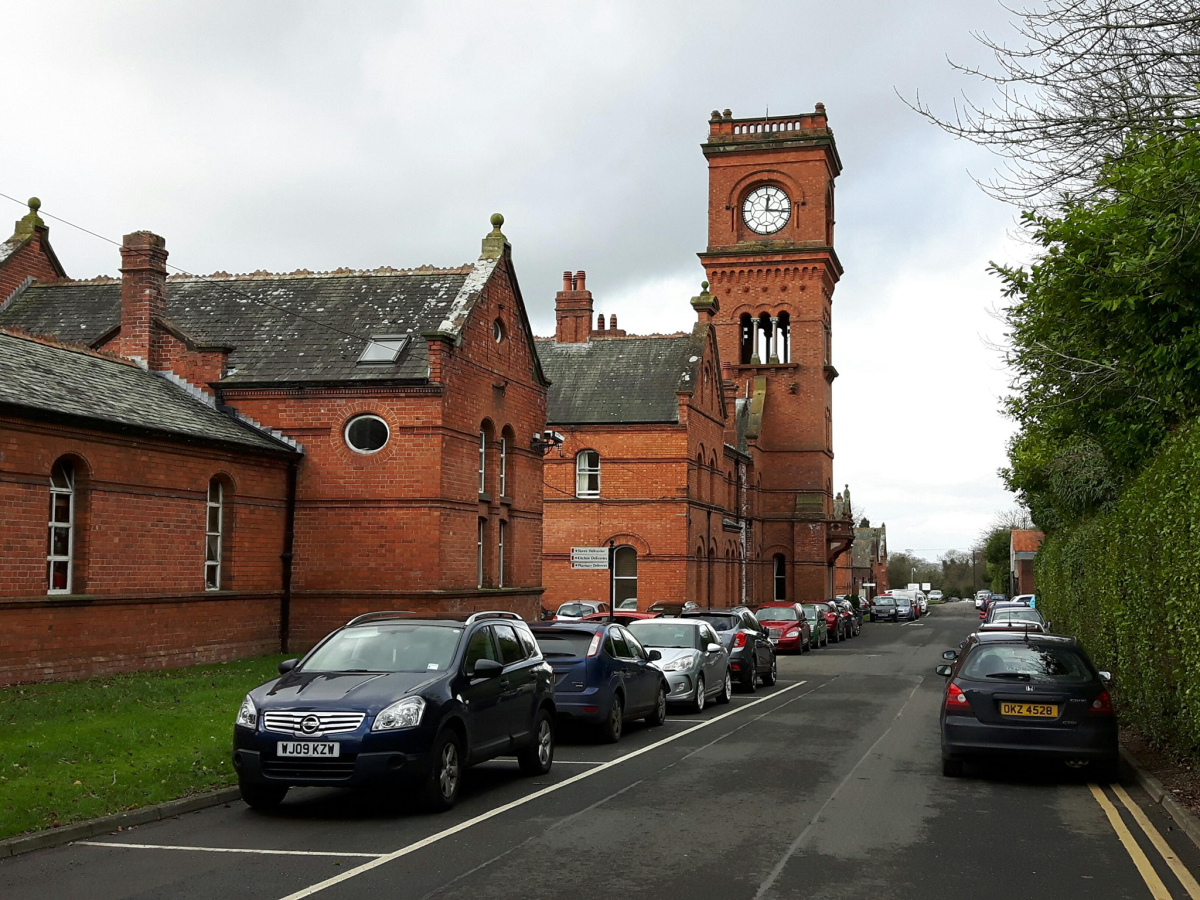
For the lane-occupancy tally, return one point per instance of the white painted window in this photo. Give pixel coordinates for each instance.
(479, 545)
(483, 436)
(60, 554)
(503, 465)
(624, 576)
(587, 474)
(213, 535)
(502, 532)
(780, 577)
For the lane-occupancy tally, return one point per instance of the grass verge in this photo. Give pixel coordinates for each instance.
(74, 750)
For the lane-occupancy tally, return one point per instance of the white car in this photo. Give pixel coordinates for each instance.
(577, 609)
(935, 596)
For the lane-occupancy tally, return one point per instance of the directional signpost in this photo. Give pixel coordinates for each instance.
(596, 558)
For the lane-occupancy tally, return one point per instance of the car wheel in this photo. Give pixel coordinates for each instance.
(952, 768)
(445, 774)
(538, 757)
(726, 689)
(749, 681)
(698, 703)
(262, 796)
(611, 730)
(769, 678)
(659, 715)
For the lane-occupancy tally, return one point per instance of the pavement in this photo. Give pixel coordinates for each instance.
(828, 785)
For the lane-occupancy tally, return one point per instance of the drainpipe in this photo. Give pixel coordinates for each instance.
(289, 538)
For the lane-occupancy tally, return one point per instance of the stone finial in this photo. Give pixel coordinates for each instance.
(705, 305)
(495, 242)
(27, 224)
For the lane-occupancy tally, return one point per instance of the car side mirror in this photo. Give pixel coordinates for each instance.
(950, 654)
(487, 668)
(713, 648)
(1106, 676)
(944, 670)
(962, 645)
(287, 665)
(655, 655)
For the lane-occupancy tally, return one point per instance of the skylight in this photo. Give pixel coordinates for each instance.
(383, 348)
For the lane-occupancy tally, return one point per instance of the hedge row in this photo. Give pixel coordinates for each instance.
(1127, 584)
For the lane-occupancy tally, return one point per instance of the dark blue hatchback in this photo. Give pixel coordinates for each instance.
(602, 675)
(393, 699)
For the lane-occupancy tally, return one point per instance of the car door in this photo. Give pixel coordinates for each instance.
(518, 684)
(714, 661)
(641, 678)
(763, 651)
(481, 698)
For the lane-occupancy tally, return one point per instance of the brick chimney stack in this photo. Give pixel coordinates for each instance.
(573, 310)
(143, 296)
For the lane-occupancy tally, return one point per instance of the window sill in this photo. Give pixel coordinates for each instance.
(507, 501)
(485, 498)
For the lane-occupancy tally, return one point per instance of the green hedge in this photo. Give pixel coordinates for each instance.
(1127, 583)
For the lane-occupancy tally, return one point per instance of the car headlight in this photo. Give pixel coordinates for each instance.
(682, 664)
(405, 713)
(793, 632)
(247, 716)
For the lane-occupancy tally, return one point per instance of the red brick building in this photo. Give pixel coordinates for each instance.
(398, 408)
(1023, 548)
(862, 570)
(730, 500)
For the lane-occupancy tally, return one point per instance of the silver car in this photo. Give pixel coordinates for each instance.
(696, 665)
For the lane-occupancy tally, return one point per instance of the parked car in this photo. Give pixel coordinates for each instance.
(835, 622)
(1015, 617)
(577, 609)
(1027, 696)
(390, 698)
(904, 607)
(981, 599)
(787, 626)
(603, 676)
(695, 663)
(817, 615)
(621, 618)
(935, 596)
(1027, 599)
(629, 604)
(751, 653)
(851, 623)
(883, 609)
(922, 603)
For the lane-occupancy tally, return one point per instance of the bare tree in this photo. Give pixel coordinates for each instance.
(1086, 75)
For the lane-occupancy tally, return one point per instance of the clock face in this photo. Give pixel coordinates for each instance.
(766, 209)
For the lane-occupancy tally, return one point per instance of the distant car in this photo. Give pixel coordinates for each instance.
(883, 609)
(981, 599)
(695, 663)
(1027, 599)
(816, 614)
(787, 626)
(904, 607)
(621, 618)
(1028, 697)
(922, 603)
(629, 603)
(393, 699)
(577, 609)
(602, 676)
(751, 653)
(935, 597)
(1014, 616)
(850, 616)
(835, 621)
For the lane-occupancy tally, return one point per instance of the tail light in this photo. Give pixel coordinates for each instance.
(956, 701)
(595, 645)
(1102, 705)
(739, 639)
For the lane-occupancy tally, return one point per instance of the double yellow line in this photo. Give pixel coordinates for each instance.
(1158, 890)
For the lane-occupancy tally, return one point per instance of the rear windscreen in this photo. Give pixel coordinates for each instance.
(778, 614)
(884, 601)
(721, 623)
(1025, 662)
(567, 643)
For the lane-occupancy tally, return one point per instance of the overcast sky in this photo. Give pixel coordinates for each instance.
(315, 135)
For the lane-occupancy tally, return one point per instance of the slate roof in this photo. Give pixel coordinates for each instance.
(252, 314)
(97, 391)
(619, 380)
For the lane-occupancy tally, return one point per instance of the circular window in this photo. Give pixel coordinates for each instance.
(366, 434)
(498, 330)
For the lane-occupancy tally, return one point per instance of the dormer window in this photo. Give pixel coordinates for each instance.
(383, 349)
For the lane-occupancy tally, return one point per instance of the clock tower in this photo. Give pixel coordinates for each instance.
(771, 262)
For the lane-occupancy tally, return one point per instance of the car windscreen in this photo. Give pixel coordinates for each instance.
(387, 648)
(816, 611)
(719, 622)
(564, 643)
(664, 634)
(778, 614)
(1017, 615)
(884, 601)
(1026, 662)
(577, 609)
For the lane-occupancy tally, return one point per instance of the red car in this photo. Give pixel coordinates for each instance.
(622, 617)
(835, 621)
(786, 626)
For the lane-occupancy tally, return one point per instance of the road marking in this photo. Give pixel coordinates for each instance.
(918, 624)
(1158, 890)
(225, 849)
(521, 801)
(774, 874)
(1164, 849)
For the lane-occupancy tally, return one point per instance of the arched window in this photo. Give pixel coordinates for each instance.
(780, 569)
(762, 340)
(506, 444)
(501, 535)
(213, 535)
(745, 339)
(714, 492)
(60, 554)
(784, 339)
(624, 575)
(480, 540)
(485, 436)
(587, 474)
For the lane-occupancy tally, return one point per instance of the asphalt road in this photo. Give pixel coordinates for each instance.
(828, 785)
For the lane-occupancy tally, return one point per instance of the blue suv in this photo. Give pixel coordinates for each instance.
(390, 698)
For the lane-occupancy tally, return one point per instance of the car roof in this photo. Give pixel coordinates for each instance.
(1023, 637)
(580, 626)
(778, 604)
(713, 610)
(672, 620)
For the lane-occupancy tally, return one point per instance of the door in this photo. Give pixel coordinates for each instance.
(481, 698)
(763, 651)
(518, 684)
(641, 679)
(715, 662)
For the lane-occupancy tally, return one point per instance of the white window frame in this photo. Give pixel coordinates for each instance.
(346, 433)
(212, 567)
(779, 578)
(620, 580)
(53, 526)
(583, 472)
(483, 460)
(479, 552)
(502, 533)
(503, 465)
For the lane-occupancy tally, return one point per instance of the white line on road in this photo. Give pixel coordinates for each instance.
(918, 624)
(499, 810)
(121, 846)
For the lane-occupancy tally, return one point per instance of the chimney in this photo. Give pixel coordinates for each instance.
(143, 296)
(573, 310)
(600, 323)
